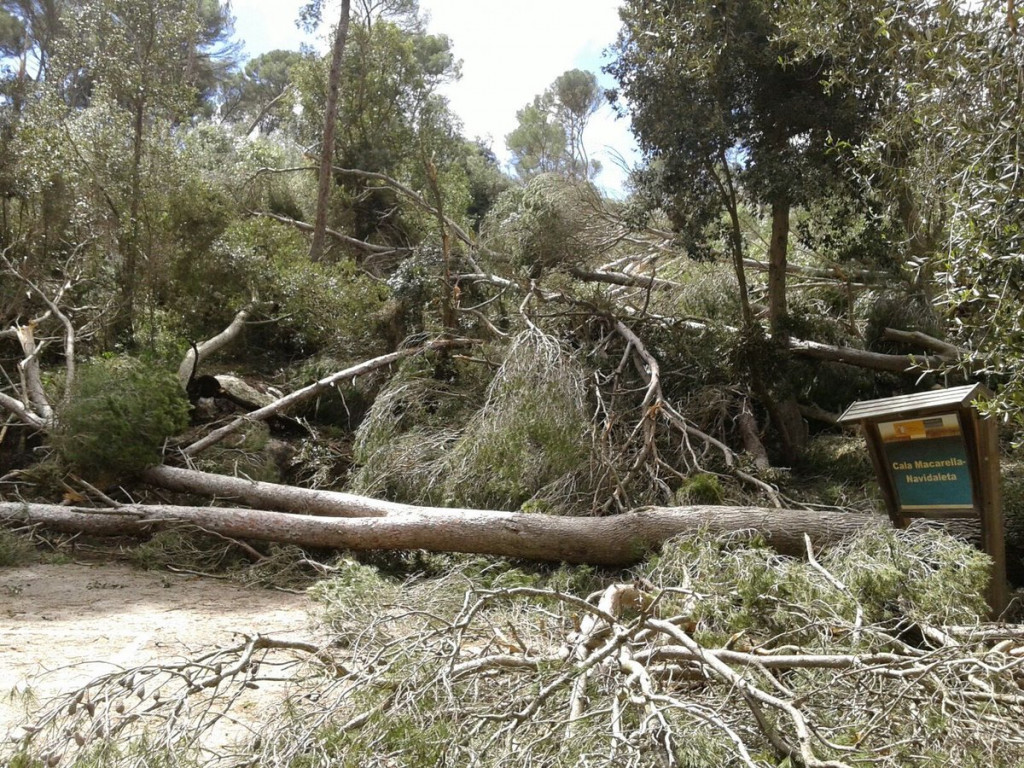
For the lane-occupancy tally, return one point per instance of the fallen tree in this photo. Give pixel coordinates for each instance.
(615, 540)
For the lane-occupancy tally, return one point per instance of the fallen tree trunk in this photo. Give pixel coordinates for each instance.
(863, 358)
(269, 496)
(196, 355)
(616, 540)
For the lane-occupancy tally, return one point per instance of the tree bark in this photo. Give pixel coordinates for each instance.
(617, 540)
(862, 358)
(271, 496)
(942, 348)
(189, 363)
(777, 254)
(316, 249)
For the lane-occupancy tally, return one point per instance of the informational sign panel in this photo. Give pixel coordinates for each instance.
(928, 461)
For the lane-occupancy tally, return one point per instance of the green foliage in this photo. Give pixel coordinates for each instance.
(745, 99)
(352, 582)
(902, 313)
(401, 444)
(158, 55)
(485, 181)
(15, 549)
(708, 291)
(321, 307)
(701, 489)
(839, 472)
(189, 548)
(248, 453)
(119, 414)
(542, 225)
(353, 593)
(390, 121)
(438, 670)
(940, 166)
(529, 437)
(549, 136)
(532, 430)
(538, 144)
(893, 576)
(263, 91)
(925, 576)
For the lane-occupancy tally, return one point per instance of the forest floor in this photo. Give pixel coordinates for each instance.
(61, 625)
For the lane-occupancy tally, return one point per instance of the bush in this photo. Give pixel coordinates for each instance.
(119, 413)
(319, 307)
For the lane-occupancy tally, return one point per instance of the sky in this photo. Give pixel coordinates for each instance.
(511, 50)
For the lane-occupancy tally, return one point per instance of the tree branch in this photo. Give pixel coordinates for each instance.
(360, 244)
(208, 347)
(307, 393)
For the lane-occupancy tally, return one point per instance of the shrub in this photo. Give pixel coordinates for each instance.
(119, 414)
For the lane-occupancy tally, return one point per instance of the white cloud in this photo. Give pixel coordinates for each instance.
(511, 51)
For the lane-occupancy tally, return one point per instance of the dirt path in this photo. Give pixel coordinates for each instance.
(91, 616)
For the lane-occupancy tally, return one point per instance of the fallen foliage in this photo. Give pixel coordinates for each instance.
(718, 652)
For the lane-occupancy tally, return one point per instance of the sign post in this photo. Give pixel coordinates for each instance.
(936, 457)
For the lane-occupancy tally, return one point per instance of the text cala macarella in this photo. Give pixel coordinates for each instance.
(930, 477)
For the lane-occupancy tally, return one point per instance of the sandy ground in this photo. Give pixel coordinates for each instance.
(62, 625)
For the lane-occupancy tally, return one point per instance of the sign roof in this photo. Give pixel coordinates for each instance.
(955, 397)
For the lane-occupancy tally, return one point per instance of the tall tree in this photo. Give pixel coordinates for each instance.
(724, 113)
(549, 137)
(944, 154)
(28, 29)
(260, 96)
(152, 61)
(390, 71)
(577, 98)
(323, 193)
(538, 144)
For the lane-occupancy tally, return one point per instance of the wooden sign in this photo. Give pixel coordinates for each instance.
(936, 457)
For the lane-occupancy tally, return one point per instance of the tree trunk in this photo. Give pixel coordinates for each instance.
(617, 540)
(309, 392)
(876, 361)
(736, 241)
(272, 496)
(777, 250)
(124, 319)
(323, 194)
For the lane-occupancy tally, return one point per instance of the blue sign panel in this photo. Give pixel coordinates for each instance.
(927, 459)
